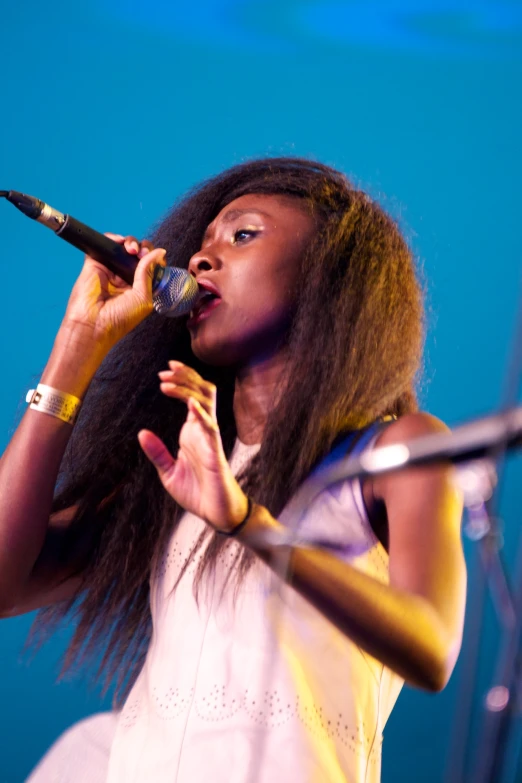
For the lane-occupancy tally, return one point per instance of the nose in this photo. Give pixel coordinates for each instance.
(202, 261)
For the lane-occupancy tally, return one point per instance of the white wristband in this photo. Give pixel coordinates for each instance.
(54, 402)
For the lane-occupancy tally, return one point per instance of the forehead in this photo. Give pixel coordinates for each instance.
(271, 207)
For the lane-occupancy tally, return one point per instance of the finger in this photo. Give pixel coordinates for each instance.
(145, 247)
(179, 367)
(207, 421)
(131, 245)
(205, 392)
(119, 285)
(116, 285)
(135, 247)
(183, 374)
(189, 377)
(144, 273)
(184, 393)
(157, 452)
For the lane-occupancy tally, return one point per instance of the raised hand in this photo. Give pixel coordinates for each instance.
(199, 479)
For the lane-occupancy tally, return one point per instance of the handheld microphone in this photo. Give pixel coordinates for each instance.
(174, 290)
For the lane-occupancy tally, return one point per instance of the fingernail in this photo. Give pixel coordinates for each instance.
(134, 246)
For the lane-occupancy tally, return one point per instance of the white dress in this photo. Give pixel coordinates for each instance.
(247, 686)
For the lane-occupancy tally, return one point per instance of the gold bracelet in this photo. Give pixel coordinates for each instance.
(54, 402)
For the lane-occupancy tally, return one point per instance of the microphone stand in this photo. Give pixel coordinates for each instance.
(502, 699)
(481, 526)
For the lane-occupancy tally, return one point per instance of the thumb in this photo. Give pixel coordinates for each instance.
(157, 452)
(144, 273)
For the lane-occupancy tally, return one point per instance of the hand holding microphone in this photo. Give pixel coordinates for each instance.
(107, 305)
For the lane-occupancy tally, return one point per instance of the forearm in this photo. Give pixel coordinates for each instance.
(29, 466)
(398, 628)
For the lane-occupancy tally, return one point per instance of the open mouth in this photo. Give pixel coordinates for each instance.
(207, 302)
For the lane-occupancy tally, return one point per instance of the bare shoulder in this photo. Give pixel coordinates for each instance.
(407, 428)
(410, 426)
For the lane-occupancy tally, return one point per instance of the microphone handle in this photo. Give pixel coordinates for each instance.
(175, 290)
(103, 249)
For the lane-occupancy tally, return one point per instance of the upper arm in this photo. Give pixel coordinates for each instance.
(424, 511)
(57, 572)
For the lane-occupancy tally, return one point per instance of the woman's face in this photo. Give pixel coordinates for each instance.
(249, 259)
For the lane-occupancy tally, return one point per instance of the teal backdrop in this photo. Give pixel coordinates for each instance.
(110, 110)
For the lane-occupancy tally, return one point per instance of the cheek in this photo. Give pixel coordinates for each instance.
(262, 295)
(268, 307)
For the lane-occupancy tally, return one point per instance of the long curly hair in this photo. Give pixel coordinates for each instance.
(355, 349)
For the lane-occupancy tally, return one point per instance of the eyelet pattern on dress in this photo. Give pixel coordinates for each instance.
(172, 702)
(217, 706)
(176, 559)
(271, 710)
(130, 712)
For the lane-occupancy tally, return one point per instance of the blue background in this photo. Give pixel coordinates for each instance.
(113, 109)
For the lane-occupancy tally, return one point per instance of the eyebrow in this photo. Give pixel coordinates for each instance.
(233, 214)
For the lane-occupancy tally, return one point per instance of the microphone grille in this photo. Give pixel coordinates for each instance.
(176, 294)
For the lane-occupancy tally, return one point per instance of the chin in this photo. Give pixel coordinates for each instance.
(234, 350)
(214, 354)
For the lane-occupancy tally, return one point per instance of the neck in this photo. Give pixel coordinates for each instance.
(255, 395)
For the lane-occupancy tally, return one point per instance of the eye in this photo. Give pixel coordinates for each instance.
(242, 234)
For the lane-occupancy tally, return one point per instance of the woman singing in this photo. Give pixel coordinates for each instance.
(258, 626)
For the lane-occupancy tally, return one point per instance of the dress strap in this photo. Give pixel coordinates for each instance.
(353, 444)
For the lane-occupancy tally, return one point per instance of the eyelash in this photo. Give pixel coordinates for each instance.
(251, 232)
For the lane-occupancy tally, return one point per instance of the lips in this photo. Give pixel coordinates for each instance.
(209, 299)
